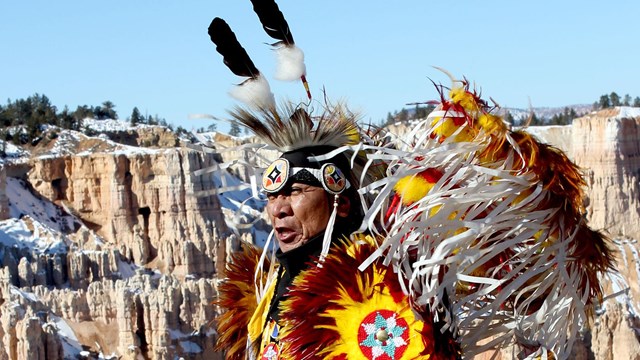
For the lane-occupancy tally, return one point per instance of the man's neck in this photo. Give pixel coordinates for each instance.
(298, 259)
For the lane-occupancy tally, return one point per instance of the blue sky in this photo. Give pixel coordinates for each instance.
(375, 55)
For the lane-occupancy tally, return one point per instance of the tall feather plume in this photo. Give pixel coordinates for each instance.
(290, 57)
(254, 91)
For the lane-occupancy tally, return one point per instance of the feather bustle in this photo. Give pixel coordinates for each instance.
(237, 301)
(510, 210)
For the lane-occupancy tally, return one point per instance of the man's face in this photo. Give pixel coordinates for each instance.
(298, 213)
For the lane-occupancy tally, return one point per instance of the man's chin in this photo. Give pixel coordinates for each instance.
(290, 245)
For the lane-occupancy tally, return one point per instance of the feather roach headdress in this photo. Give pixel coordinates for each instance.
(325, 151)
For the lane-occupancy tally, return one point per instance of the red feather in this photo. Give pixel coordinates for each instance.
(237, 301)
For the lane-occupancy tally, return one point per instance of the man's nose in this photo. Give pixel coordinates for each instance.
(280, 207)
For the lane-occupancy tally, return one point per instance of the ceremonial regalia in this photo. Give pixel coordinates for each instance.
(464, 235)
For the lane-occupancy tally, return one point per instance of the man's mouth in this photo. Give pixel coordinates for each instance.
(285, 235)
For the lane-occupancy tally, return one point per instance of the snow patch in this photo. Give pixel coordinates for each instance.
(64, 144)
(23, 203)
(23, 294)
(190, 347)
(16, 233)
(109, 125)
(70, 344)
(35, 224)
(625, 112)
(13, 152)
(126, 269)
(239, 205)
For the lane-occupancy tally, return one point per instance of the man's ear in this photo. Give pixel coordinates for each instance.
(344, 206)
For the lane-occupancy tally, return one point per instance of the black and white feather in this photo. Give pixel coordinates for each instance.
(254, 91)
(290, 57)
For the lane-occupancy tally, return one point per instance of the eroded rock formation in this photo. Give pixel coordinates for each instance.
(607, 144)
(144, 203)
(134, 277)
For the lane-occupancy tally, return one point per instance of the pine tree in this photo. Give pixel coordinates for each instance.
(180, 130)
(627, 100)
(67, 120)
(604, 102)
(636, 101)
(161, 121)
(389, 119)
(572, 114)
(418, 113)
(42, 110)
(563, 118)
(108, 108)
(403, 115)
(98, 113)
(135, 118)
(508, 117)
(535, 121)
(615, 99)
(423, 112)
(235, 129)
(3, 149)
(83, 112)
(5, 119)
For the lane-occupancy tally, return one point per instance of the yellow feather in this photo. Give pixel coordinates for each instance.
(463, 98)
(412, 188)
(491, 124)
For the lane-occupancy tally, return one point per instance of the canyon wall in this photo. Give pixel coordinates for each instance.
(606, 144)
(130, 263)
(144, 203)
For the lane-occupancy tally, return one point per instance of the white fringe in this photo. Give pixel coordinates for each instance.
(326, 241)
(442, 245)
